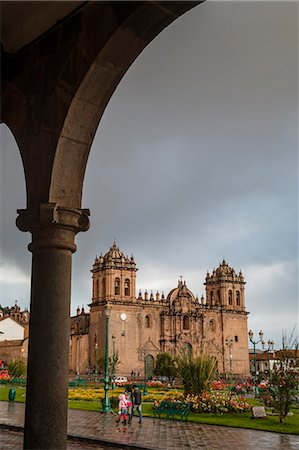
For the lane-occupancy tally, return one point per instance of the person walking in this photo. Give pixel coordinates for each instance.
(136, 404)
(129, 398)
(122, 409)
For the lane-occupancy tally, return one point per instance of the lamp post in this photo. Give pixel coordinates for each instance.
(113, 362)
(95, 372)
(106, 404)
(250, 334)
(229, 342)
(269, 349)
(143, 355)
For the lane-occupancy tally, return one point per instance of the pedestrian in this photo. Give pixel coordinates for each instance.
(122, 409)
(136, 404)
(129, 398)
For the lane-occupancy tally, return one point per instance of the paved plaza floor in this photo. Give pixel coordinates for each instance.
(97, 430)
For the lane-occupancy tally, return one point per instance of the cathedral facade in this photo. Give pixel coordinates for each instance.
(141, 326)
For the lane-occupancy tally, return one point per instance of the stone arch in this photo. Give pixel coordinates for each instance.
(148, 321)
(230, 297)
(149, 366)
(186, 322)
(212, 325)
(54, 92)
(187, 349)
(127, 287)
(54, 124)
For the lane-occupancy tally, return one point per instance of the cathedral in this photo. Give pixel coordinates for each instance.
(141, 326)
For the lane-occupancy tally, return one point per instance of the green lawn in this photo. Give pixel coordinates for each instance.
(244, 420)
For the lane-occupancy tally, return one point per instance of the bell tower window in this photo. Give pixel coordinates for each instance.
(230, 297)
(104, 286)
(147, 321)
(96, 288)
(212, 297)
(117, 286)
(238, 303)
(127, 287)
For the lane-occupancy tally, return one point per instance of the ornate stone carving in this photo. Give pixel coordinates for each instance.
(52, 225)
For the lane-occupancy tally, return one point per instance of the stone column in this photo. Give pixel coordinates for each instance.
(53, 230)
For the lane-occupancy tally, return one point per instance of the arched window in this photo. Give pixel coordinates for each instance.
(148, 322)
(212, 325)
(116, 286)
(212, 297)
(186, 323)
(127, 286)
(238, 303)
(218, 296)
(104, 286)
(230, 297)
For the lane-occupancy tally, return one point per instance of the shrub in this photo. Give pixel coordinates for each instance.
(17, 368)
(197, 373)
(285, 379)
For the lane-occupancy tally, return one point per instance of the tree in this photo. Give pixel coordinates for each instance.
(16, 368)
(164, 366)
(285, 378)
(197, 373)
(113, 363)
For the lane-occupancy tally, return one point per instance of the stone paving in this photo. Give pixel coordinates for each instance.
(13, 440)
(153, 434)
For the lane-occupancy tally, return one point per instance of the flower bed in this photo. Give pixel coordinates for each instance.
(85, 394)
(217, 403)
(210, 402)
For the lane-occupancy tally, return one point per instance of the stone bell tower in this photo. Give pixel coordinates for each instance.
(114, 277)
(113, 286)
(224, 287)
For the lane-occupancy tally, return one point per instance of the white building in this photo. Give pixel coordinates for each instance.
(11, 330)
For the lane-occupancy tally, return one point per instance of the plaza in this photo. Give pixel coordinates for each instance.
(95, 430)
(215, 190)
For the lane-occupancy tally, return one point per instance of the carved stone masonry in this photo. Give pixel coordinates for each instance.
(53, 226)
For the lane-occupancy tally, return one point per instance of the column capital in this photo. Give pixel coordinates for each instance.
(52, 225)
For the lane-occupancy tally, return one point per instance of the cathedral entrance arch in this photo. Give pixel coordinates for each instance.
(187, 349)
(149, 366)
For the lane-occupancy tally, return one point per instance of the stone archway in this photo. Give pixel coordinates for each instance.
(54, 92)
(149, 366)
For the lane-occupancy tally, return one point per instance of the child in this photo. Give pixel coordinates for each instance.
(122, 409)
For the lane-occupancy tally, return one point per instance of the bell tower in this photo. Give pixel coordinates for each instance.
(224, 287)
(114, 277)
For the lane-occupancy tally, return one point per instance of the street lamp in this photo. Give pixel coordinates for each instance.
(95, 361)
(229, 342)
(143, 355)
(113, 362)
(269, 349)
(106, 404)
(261, 334)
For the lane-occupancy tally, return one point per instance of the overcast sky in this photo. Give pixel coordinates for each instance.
(195, 159)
